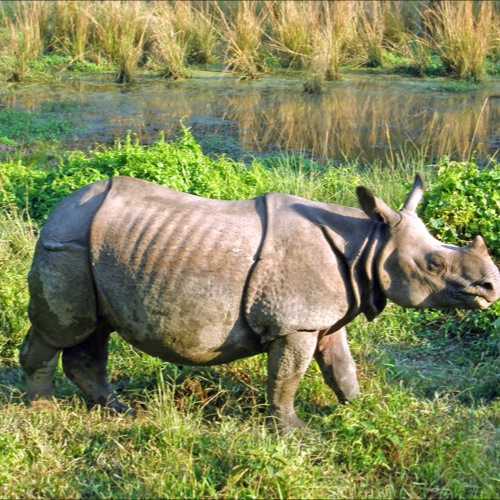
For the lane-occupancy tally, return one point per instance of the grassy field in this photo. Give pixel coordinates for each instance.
(427, 421)
(458, 39)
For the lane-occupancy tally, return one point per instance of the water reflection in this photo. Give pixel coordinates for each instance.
(366, 118)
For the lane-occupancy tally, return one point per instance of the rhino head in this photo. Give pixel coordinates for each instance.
(417, 270)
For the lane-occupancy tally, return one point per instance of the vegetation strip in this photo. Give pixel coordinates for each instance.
(458, 39)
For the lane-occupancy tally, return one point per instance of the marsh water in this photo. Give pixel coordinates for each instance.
(362, 117)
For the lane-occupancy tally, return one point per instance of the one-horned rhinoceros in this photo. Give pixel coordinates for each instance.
(198, 281)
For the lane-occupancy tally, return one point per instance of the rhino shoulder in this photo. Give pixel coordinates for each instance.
(315, 268)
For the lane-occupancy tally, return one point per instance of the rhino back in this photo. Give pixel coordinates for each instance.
(69, 223)
(171, 270)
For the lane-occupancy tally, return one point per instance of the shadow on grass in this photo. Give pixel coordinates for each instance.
(435, 365)
(11, 384)
(465, 368)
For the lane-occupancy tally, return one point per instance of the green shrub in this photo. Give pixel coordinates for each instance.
(180, 165)
(464, 201)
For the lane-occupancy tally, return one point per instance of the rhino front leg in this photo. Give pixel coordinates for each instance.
(288, 359)
(85, 364)
(39, 362)
(337, 366)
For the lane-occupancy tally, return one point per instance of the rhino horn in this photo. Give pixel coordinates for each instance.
(478, 246)
(415, 195)
(375, 208)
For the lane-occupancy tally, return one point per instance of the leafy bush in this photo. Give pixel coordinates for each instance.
(464, 202)
(180, 165)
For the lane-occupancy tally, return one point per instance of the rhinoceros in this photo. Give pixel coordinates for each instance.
(198, 281)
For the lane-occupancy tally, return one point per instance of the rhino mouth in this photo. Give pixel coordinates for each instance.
(481, 302)
(470, 300)
(478, 296)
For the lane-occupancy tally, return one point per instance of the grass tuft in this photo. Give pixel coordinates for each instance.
(462, 35)
(242, 34)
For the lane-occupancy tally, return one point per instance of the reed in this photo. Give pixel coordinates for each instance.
(372, 28)
(462, 35)
(292, 25)
(198, 30)
(318, 37)
(120, 28)
(169, 44)
(242, 34)
(72, 28)
(25, 39)
(417, 52)
(334, 38)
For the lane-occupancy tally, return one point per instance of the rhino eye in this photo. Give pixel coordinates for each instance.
(436, 263)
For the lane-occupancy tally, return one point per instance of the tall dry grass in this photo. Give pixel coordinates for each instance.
(72, 25)
(120, 28)
(169, 43)
(372, 29)
(334, 38)
(248, 37)
(242, 34)
(195, 22)
(25, 37)
(463, 34)
(292, 26)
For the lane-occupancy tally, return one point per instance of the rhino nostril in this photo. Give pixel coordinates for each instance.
(487, 286)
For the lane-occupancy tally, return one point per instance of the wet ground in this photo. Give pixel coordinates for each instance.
(365, 117)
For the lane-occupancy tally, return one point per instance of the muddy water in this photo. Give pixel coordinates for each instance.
(361, 117)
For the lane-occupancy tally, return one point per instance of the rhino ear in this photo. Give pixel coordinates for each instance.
(375, 208)
(415, 195)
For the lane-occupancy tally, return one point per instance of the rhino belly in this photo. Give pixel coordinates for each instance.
(172, 285)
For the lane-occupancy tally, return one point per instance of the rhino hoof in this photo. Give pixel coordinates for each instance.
(116, 406)
(284, 426)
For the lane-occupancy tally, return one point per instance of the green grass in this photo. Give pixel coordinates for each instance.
(19, 127)
(425, 425)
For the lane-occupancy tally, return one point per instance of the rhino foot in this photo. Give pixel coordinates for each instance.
(337, 365)
(115, 406)
(284, 424)
(39, 362)
(85, 365)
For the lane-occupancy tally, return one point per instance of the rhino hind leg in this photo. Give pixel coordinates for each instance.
(288, 359)
(337, 365)
(85, 364)
(39, 362)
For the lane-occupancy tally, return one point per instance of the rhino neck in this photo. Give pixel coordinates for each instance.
(373, 299)
(361, 261)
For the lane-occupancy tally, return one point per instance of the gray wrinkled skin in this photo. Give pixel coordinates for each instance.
(196, 281)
